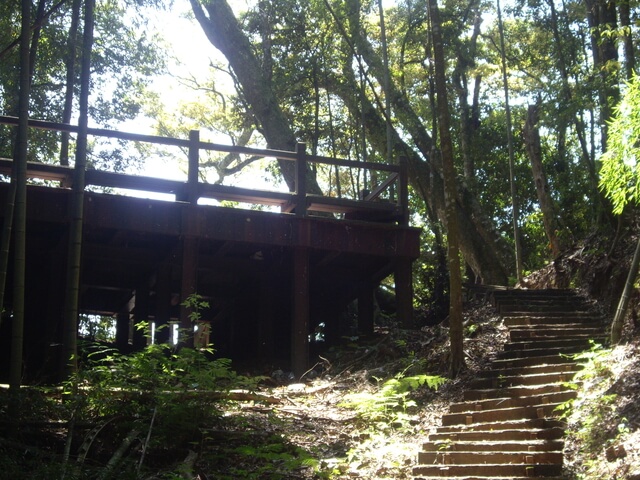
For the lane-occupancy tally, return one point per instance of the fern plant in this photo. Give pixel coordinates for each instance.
(387, 407)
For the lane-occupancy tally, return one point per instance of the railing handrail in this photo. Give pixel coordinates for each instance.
(191, 189)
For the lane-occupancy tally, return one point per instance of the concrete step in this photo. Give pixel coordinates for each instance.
(505, 435)
(555, 359)
(501, 382)
(489, 470)
(526, 346)
(546, 333)
(480, 458)
(554, 320)
(504, 402)
(503, 371)
(544, 292)
(500, 415)
(515, 392)
(524, 445)
(518, 424)
(571, 314)
(533, 350)
(490, 477)
(509, 309)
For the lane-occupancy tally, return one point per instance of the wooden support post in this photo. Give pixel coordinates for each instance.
(300, 320)
(141, 314)
(163, 305)
(268, 293)
(188, 287)
(301, 180)
(123, 320)
(403, 194)
(194, 165)
(365, 308)
(404, 292)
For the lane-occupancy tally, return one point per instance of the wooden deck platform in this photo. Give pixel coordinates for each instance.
(270, 277)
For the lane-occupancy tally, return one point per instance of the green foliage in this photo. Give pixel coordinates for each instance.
(169, 394)
(387, 406)
(195, 303)
(273, 459)
(620, 172)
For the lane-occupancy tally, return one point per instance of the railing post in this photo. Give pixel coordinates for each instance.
(194, 165)
(403, 194)
(301, 179)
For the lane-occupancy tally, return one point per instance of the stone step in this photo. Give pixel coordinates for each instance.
(572, 314)
(489, 477)
(527, 346)
(504, 307)
(509, 309)
(513, 434)
(500, 415)
(514, 392)
(489, 470)
(494, 446)
(551, 321)
(560, 333)
(503, 402)
(503, 371)
(522, 380)
(555, 359)
(519, 424)
(543, 292)
(491, 457)
(542, 349)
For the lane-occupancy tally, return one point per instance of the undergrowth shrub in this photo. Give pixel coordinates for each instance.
(387, 407)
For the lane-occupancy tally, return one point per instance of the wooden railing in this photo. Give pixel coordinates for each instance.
(298, 202)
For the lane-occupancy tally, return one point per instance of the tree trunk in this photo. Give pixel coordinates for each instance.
(469, 114)
(601, 15)
(224, 32)
(482, 247)
(532, 142)
(621, 311)
(627, 40)
(70, 66)
(77, 203)
(515, 210)
(450, 193)
(19, 239)
(482, 255)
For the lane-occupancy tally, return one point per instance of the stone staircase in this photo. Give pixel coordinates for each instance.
(507, 425)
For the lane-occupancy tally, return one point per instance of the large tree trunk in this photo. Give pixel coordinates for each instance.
(532, 142)
(450, 197)
(222, 29)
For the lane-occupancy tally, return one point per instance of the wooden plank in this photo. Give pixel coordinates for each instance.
(244, 195)
(39, 170)
(134, 182)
